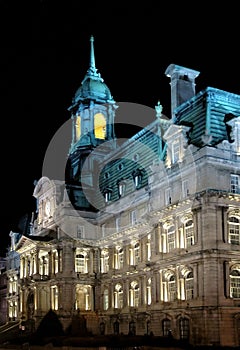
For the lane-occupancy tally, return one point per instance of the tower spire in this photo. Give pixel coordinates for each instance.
(92, 70)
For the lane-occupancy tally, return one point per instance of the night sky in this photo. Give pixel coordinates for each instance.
(45, 55)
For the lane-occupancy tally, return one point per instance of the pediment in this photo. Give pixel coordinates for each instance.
(174, 130)
(25, 243)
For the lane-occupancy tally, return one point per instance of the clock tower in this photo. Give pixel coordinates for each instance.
(92, 113)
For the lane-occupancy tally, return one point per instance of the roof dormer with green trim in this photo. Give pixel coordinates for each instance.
(208, 115)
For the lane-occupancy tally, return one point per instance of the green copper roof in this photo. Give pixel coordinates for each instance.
(93, 86)
(207, 114)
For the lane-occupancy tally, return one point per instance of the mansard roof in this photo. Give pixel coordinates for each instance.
(207, 114)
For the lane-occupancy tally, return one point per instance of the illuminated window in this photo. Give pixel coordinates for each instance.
(134, 294)
(55, 267)
(148, 247)
(99, 126)
(78, 127)
(170, 238)
(118, 258)
(189, 286)
(235, 282)
(104, 261)
(189, 233)
(54, 298)
(105, 299)
(137, 177)
(107, 195)
(149, 292)
(43, 265)
(121, 188)
(118, 296)
(81, 260)
(134, 254)
(172, 290)
(83, 297)
(234, 230)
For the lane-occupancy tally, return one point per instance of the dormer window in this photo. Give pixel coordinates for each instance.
(107, 195)
(121, 188)
(137, 177)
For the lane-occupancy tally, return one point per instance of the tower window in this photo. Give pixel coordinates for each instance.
(99, 126)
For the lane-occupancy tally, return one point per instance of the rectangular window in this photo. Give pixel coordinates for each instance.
(168, 199)
(175, 151)
(133, 217)
(80, 231)
(118, 224)
(103, 230)
(185, 189)
(235, 287)
(235, 183)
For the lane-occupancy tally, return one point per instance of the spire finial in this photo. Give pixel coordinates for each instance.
(92, 56)
(92, 70)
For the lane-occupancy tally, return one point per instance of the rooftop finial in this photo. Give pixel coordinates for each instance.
(92, 57)
(92, 70)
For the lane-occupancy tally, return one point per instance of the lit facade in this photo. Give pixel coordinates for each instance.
(144, 237)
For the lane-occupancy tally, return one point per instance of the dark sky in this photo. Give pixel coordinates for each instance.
(45, 55)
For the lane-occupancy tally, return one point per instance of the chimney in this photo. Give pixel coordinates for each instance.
(182, 85)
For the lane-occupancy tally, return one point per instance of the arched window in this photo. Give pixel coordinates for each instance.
(188, 233)
(172, 290)
(83, 297)
(81, 265)
(118, 296)
(235, 282)
(99, 126)
(121, 188)
(189, 286)
(134, 254)
(234, 230)
(134, 294)
(168, 238)
(104, 261)
(137, 177)
(118, 263)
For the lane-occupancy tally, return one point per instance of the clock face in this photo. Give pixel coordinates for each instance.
(48, 208)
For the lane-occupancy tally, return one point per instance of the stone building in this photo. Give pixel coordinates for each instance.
(143, 236)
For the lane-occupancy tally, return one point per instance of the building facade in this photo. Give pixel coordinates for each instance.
(141, 237)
